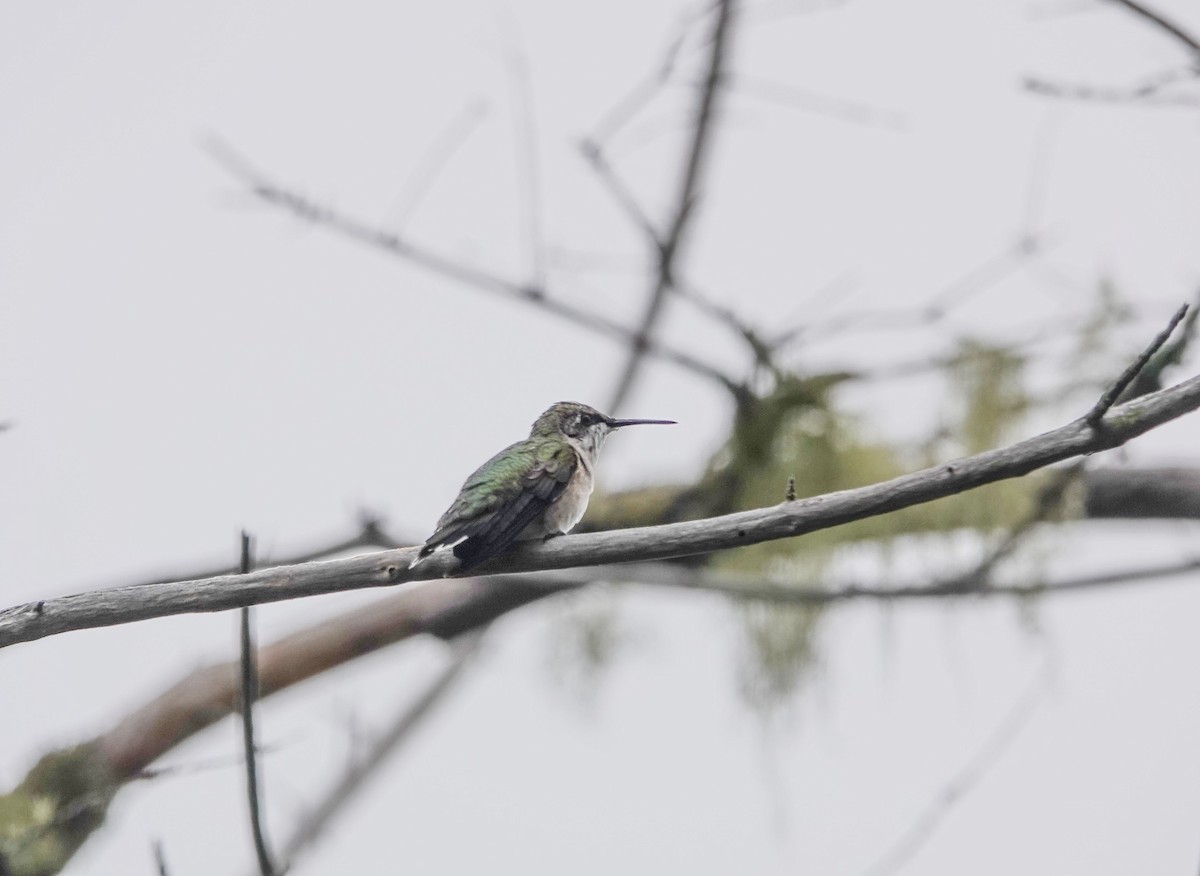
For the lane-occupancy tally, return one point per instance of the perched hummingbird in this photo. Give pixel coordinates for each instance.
(533, 489)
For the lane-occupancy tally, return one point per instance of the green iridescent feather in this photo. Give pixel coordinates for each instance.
(502, 497)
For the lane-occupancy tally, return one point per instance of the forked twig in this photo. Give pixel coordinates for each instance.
(1106, 401)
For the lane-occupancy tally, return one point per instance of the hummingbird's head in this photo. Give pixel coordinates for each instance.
(585, 424)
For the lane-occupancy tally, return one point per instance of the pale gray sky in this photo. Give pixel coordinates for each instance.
(180, 363)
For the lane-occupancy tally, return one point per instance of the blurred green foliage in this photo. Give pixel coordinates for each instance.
(798, 427)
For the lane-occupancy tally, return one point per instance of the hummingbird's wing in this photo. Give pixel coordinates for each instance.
(502, 497)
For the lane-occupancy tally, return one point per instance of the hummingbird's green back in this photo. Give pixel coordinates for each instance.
(504, 496)
(506, 475)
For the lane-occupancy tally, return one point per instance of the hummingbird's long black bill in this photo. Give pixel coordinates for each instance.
(617, 424)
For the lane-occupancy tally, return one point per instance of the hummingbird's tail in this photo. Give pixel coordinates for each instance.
(422, 555)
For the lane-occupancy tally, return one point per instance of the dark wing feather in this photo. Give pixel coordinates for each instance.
(485, 520)
(498, 533)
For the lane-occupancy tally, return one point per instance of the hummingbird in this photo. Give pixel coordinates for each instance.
(536, 488)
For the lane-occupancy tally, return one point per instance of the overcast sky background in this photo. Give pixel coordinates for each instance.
(178, 363)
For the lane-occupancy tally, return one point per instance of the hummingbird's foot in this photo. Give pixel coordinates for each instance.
(550, 535)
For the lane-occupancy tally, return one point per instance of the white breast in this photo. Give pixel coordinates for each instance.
(568, 509)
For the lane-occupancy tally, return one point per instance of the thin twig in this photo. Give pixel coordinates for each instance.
(528, 176)
(621, 193)
(835, 290)
(207, 694)
(1156, 18)
(674, 235)
(430, 166)
(1039, 176)
(687, 291)
(1049, 500)
(369, 535)
(379, 238)
(983, 276)
(1144, 93)
(1150, 378)
(1155, 82)
(965, 781)
(988, 274)
(794, 97)
(751, 589)
(199, 766)
(249, 695)
(160, 859)
(1096, 414)
(311, 827)
(1135, 97)
(644, 91)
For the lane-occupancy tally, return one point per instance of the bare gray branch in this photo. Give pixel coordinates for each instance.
(37, 620)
